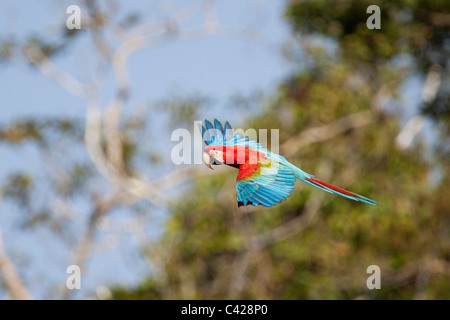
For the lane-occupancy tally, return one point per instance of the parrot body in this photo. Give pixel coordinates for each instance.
(264, 178)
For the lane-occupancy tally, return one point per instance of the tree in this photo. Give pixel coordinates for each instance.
(106, 162)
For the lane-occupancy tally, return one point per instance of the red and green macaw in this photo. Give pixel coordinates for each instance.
(264, 178)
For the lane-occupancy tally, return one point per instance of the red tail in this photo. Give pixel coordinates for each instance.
(321, 183)
(333, 189)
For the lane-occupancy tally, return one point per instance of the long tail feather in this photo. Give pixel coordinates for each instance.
(333, 189)
(311, 180)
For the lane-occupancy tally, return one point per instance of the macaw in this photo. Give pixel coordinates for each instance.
(264, 178)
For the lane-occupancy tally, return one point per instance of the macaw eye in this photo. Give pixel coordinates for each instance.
(216, 152)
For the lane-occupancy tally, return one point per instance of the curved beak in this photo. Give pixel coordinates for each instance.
(207, 158)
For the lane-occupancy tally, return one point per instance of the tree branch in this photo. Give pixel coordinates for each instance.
(326, 132)
(12, 279)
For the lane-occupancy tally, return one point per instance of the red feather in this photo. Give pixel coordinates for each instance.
(321, 183)
(247, 170)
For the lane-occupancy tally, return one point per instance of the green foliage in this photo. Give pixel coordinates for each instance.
(75, 181)
(6, 49)
(43, 132)
(18, 187)
(21, 131)
(146, 291)
(418, 28)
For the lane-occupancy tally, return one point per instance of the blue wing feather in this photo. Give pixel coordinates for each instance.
(208, 125)
(215, 134)
(218, 125)
(227, 131)
(224, 135)
(271, 186)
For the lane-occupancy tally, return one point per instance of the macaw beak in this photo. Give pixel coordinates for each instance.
(207, 158)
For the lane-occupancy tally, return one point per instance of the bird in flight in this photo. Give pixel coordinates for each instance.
(264, 178)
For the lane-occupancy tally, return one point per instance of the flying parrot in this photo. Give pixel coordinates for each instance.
(264, 178)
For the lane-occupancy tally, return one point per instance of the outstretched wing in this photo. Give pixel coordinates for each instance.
(216, 134)
(263, 183)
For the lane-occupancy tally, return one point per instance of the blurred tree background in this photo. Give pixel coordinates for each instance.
(341, 115)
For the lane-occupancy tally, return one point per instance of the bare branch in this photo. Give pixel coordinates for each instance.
(12, 279)
(409, 131)
(64, 79)
(329, 131)
(84, 247)
(414, 125)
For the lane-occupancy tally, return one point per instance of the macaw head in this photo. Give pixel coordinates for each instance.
(215, 137)
(214, 155)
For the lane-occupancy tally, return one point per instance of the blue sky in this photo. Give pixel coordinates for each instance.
(214, 66)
